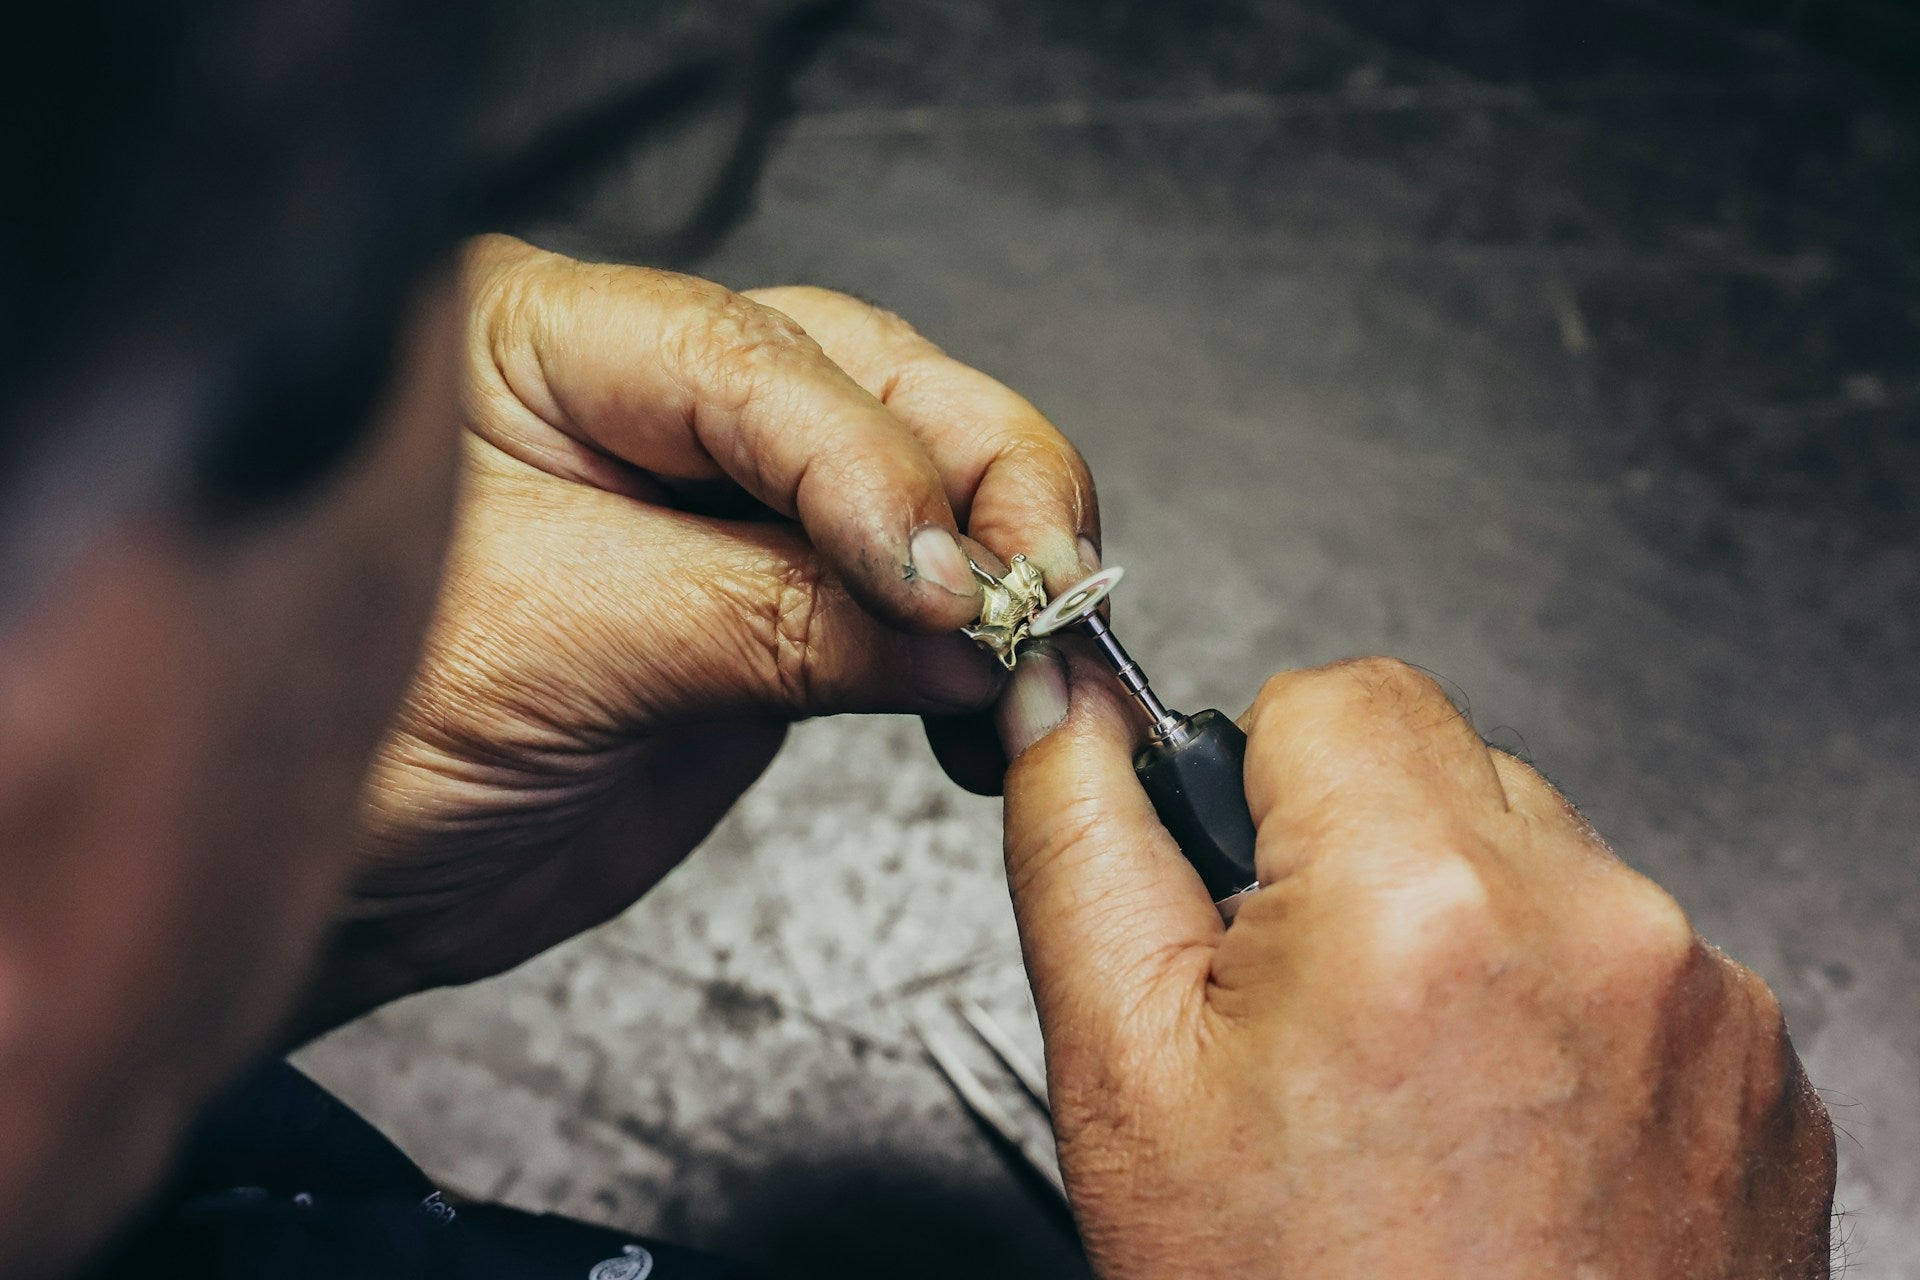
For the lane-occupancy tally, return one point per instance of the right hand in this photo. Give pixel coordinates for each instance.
(1453, 1036)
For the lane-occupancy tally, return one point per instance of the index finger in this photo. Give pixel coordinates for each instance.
(1015, 482)
(591, 371)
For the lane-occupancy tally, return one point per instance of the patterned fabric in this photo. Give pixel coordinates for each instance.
(281, 1181)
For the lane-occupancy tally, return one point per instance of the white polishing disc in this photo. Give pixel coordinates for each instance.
(1076, 602)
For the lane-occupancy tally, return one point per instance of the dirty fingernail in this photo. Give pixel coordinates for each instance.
(1035, 703)
(1089, 554)
(952, 672)
(938, 558)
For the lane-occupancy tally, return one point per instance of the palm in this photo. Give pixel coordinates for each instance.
(525, 793)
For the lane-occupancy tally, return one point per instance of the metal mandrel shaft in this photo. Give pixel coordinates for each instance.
(1191, 767)
(1167, 723)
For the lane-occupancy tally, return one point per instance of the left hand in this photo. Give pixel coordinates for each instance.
(688, 517)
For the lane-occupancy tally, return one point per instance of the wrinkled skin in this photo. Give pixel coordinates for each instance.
(186, 719)
(686, 522)
(1452, 1036)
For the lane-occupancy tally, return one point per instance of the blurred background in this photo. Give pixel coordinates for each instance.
(1572, 353)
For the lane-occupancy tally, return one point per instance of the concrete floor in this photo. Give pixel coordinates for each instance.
(1579, 366)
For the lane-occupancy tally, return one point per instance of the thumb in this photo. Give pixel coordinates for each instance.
(1111, 915)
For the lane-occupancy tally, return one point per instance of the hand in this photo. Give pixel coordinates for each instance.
(1452, 1036)
(687, 518)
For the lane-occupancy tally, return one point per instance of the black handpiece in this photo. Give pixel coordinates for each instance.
(1194, 780)
(1193, 769)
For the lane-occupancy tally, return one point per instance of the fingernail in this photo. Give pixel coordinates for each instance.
(1035, 703)
(953, 672)
(937, 557)
(1089, 554)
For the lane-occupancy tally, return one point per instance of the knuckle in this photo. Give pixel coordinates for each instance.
(1650, 942)
(1372, 682)
(1772, 1050)
(1774, 1081)
(884, 318)
(504, 300)
(492, 262)
(873, 323)
(887, 324)
(1275, 696)
(1388, 683)
(1047, 472)
(1041, 454)
(794, 642)
(877, 346)
(817, 300)
(1436, 928)
(1398, 702)
(782, 615)
(1377, 670)
(1764, 1002)
(1763, 1015)
(730, 347)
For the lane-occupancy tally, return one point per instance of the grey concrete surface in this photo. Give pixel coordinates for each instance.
(1581, 372)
